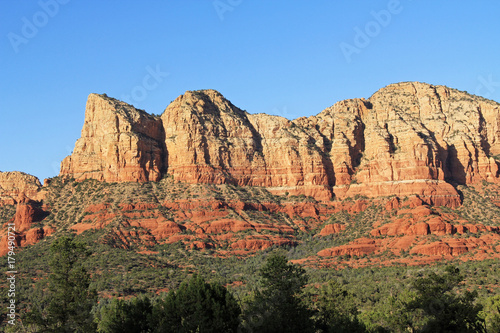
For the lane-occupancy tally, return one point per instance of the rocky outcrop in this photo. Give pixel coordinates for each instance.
(261, 242)
(410, 138)
(407, 139)
(209, 140)
(118, 143)
(453, 135)
(359, 247)
(25, 192)
(331, 229)
(27, 212)
(12, 184)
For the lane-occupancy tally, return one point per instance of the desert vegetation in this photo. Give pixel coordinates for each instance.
(280, 296)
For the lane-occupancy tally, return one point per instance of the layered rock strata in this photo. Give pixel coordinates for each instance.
(118, 143)
(408, 138)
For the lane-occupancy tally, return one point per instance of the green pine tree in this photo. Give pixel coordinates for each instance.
(119, 316)
(336, 310)
(444, 309)
(278, 306)
(197, 306)
(491, 313)
(64, 302)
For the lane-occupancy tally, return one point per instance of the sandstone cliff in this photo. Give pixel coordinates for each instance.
(209, 140)
(12, 184)
(400, 153)
(118, 143)
(408, 138)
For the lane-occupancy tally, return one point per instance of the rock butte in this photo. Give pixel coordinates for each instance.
(408, 147)
(408, 138)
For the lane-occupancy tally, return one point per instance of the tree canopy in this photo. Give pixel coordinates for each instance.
(443, 309)
(66, 304)
(197, 306)
(278, 305)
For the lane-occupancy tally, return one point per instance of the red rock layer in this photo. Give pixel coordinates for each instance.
(408, 138)
(209, 140)
(410, 229)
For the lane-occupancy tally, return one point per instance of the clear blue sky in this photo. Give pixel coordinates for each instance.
(291, 58)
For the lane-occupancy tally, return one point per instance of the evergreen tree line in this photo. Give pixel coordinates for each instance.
(281, 303)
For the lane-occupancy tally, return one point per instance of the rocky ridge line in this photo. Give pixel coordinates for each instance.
(408, 138)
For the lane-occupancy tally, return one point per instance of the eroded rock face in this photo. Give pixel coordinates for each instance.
(25, 215)
(12, 184)
(332, 229)
(359, 247)
(118, 143)
(445, 133)
(209, 140)
(27, 212)
(407, 139)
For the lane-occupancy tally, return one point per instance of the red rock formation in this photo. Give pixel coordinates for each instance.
(331, 229)
(359, 247)
(260, 242)
(118, 143)
(226, 225)
(34, 235)
(445, 133)
(441, 248)
(22, 190)
(406, 139)
(12, 184)
(412, 141)
(209, 140)
(25, 215)
(409, 227)
(401, 244)
(27, 212)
